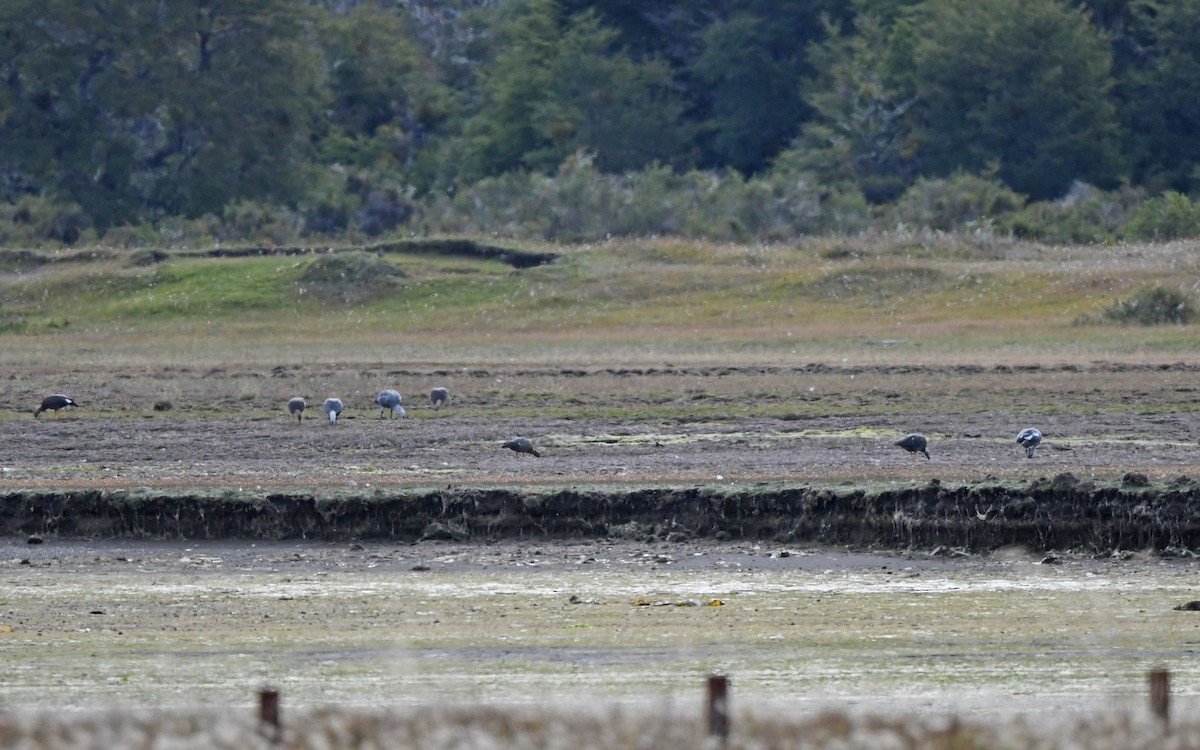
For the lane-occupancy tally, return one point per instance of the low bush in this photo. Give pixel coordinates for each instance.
(1152, 306)
(259, 224)
(953, 203)
(1169, 216)
(40, 222)
(1085, 215)
(580, 204)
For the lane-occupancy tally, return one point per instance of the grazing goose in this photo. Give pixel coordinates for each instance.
(1031, 438)
(55, 402)
(389, 399)
(439, 396)
(296, 408)
(914, 444)
(522, 445)
(333, 407)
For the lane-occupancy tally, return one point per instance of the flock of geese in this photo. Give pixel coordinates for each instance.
(389, 401)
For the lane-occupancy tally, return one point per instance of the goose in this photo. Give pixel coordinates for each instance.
(1031, 438)
(439, 396)
(522, 445)
(333, 407)
(296, 408)
(914, 444)
(389, 399)
(54, 402)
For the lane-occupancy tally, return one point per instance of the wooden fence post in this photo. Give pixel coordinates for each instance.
(268, 713)
(1160, 694)
(718, 706)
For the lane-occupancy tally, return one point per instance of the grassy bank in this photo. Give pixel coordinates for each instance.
(896, 299)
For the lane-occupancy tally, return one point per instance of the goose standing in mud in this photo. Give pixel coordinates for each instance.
(1030, 438)
(914, 444)
(333, 407)
(296, 408)
(54, 403)
(522, 445)
(389, 399)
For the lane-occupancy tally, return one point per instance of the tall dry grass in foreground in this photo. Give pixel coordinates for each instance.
(579, 728)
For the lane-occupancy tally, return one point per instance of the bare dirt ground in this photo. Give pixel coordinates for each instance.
(598, 426)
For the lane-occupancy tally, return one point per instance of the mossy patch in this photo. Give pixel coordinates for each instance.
(878, 285)
(350, 277)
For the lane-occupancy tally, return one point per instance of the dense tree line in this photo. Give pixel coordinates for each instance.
(353, 115)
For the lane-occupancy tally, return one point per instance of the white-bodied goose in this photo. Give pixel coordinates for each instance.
(333, 407)
(389, 399)
(1030, 438)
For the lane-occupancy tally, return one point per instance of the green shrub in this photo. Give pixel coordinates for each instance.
(578, 203)
(11, 323)
(40, 222)
(1170, 216)
(1046, 222)
(1153, 306)
(256, 223)
(955, 203)
(356, 201)
(131, 237)
(786, 204)
(1084, 215)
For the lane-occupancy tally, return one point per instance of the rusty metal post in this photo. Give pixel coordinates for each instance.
(268, 713)
(718, 706)
(1160, 694)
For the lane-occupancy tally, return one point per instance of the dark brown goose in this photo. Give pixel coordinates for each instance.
(296, 408)
(914, 444)
(439, 397)
(54, 403)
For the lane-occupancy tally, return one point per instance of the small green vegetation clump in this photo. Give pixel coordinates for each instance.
(351, 277)
(878, 284)
(1151, 306)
